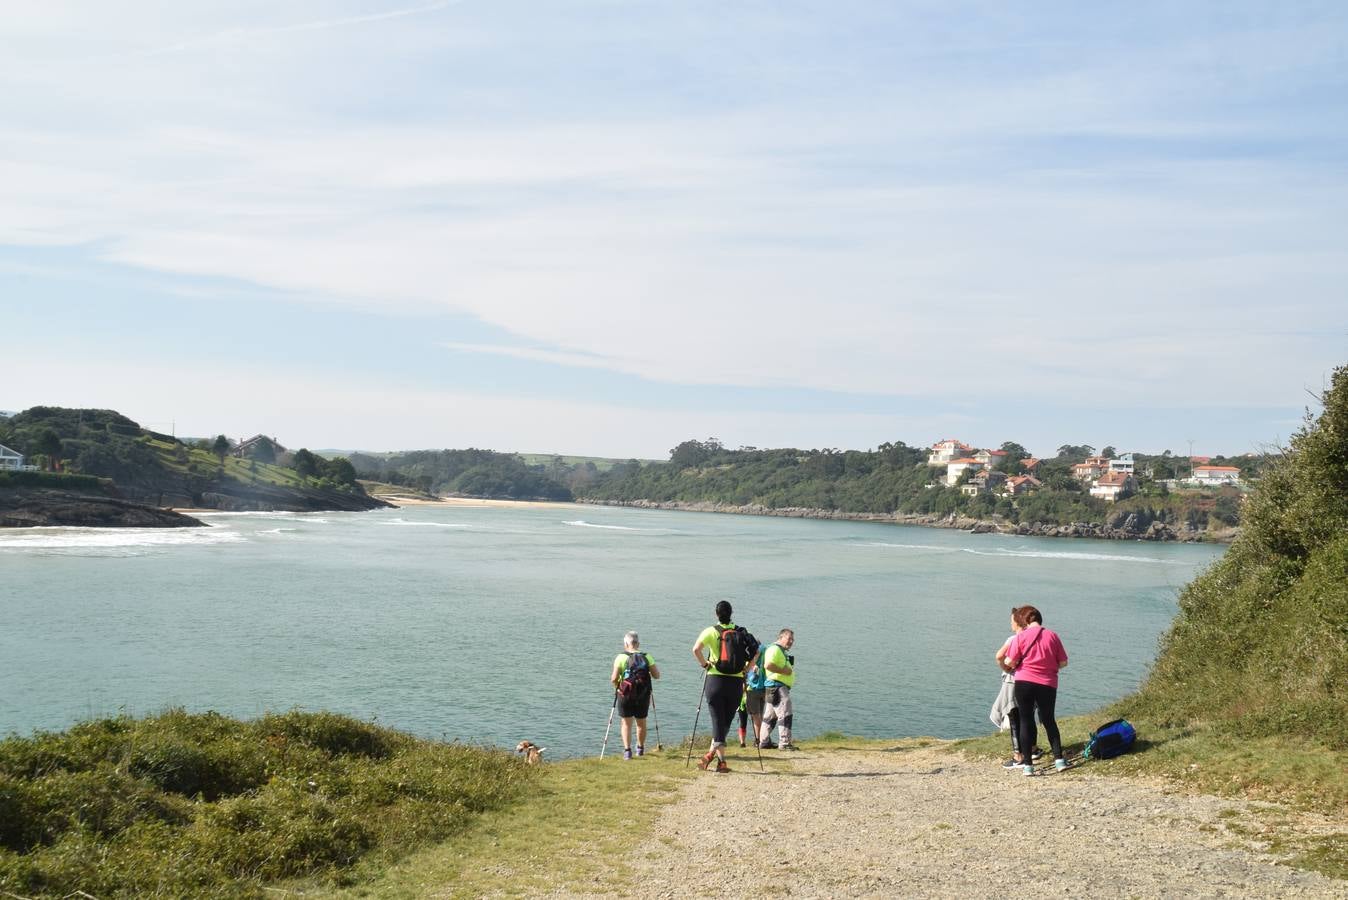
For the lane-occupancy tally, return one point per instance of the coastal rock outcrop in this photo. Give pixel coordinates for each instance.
(1126, 526)
(35, 507)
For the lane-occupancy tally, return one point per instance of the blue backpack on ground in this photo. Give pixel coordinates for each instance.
(1110, 740)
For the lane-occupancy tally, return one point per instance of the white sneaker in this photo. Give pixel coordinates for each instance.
(1028, 770)
(1060, 764)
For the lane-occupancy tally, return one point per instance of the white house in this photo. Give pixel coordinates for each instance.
(991, 458)
(956, 467)
(1122, 463)
(11, 460)
(942, 452)
(1213, 476)
(1112, 485)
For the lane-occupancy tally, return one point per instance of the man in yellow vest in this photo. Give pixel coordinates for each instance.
(781, 673)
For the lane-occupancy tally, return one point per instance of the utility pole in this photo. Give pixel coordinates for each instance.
(1191, 458)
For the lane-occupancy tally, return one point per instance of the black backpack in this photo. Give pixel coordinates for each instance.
(636, 681)
(735, 647)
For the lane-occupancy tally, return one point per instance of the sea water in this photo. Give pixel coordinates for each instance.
(492, 625)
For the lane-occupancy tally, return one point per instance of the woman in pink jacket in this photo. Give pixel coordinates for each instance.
(1036, 654)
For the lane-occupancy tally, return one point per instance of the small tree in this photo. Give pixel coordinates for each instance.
(220, 448)
(48, 443)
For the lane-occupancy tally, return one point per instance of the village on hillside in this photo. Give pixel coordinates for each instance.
(1109, 477)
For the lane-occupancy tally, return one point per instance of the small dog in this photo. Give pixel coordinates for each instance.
(533, 754)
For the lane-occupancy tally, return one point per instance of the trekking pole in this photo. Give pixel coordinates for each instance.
(757, 745)
(612, 709)
(656, 712)
(700, 694)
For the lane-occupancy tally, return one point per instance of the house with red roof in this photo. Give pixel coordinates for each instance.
(1113, 485)
(991, 458)
(1091, 469)
(942, 452)
(1017, 485)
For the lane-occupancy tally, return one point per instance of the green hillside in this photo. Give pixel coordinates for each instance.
(1260, 644)
(161, 470)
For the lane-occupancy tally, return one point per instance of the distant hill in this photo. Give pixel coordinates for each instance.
(158, 469)
(471, 472)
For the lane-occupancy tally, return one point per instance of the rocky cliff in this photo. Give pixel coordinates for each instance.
(34, 507)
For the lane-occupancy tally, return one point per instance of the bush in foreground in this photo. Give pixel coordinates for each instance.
(198, 804)
(1261, 640)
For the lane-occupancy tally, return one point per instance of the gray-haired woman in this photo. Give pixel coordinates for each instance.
(631, 677)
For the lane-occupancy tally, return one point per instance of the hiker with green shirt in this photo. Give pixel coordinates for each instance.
(724, 651)
(632, 672)
(781, 675)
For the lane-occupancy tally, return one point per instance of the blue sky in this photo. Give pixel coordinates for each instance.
(605, 227)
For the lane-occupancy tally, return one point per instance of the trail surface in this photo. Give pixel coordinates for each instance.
(916, 821)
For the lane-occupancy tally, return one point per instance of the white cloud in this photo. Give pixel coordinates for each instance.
(934, 235)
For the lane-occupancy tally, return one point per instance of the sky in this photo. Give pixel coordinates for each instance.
(603, 227)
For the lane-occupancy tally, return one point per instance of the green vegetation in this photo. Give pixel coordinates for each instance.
(581, 817)
(200, 805)
(895, 479)
(474, 473)
(58, 480)
(1261, 640)
(153, 467)
(1250, 692)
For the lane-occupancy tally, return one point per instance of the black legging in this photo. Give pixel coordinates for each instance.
(1030, 694)
(723, 694)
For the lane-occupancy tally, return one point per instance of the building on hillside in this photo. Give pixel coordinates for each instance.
(1029, 464)
(12, 460)
(991, 458)
(1122, 463)
(1091, 469)
(1017, 485)
(942, 452)
(957, 467)
(983, 482)
(244, 449)
(1113, 485)
(1200, 460)
(1215, 476)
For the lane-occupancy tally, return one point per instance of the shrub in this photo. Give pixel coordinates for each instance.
(192, 804)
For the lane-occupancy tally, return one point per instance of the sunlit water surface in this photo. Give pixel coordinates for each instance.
(492, 624)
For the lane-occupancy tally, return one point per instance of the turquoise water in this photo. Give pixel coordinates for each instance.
(493, 625)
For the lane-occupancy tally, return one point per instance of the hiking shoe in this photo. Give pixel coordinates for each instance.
(1011, 764)
(1036, 755)
(641, 751)
(627, 753)
(705, 761)
(767, 745)
(1060, 764)
(721, 767)
(1028, 770)
(789, 747)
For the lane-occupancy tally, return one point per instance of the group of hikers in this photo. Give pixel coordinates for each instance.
(755, 680)
(740, 676)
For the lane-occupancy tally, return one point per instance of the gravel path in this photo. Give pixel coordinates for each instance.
(915, 821)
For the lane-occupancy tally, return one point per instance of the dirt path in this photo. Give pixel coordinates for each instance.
(915, 821)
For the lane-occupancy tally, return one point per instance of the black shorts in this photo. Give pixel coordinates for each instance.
(753, 703)
(634, 707)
